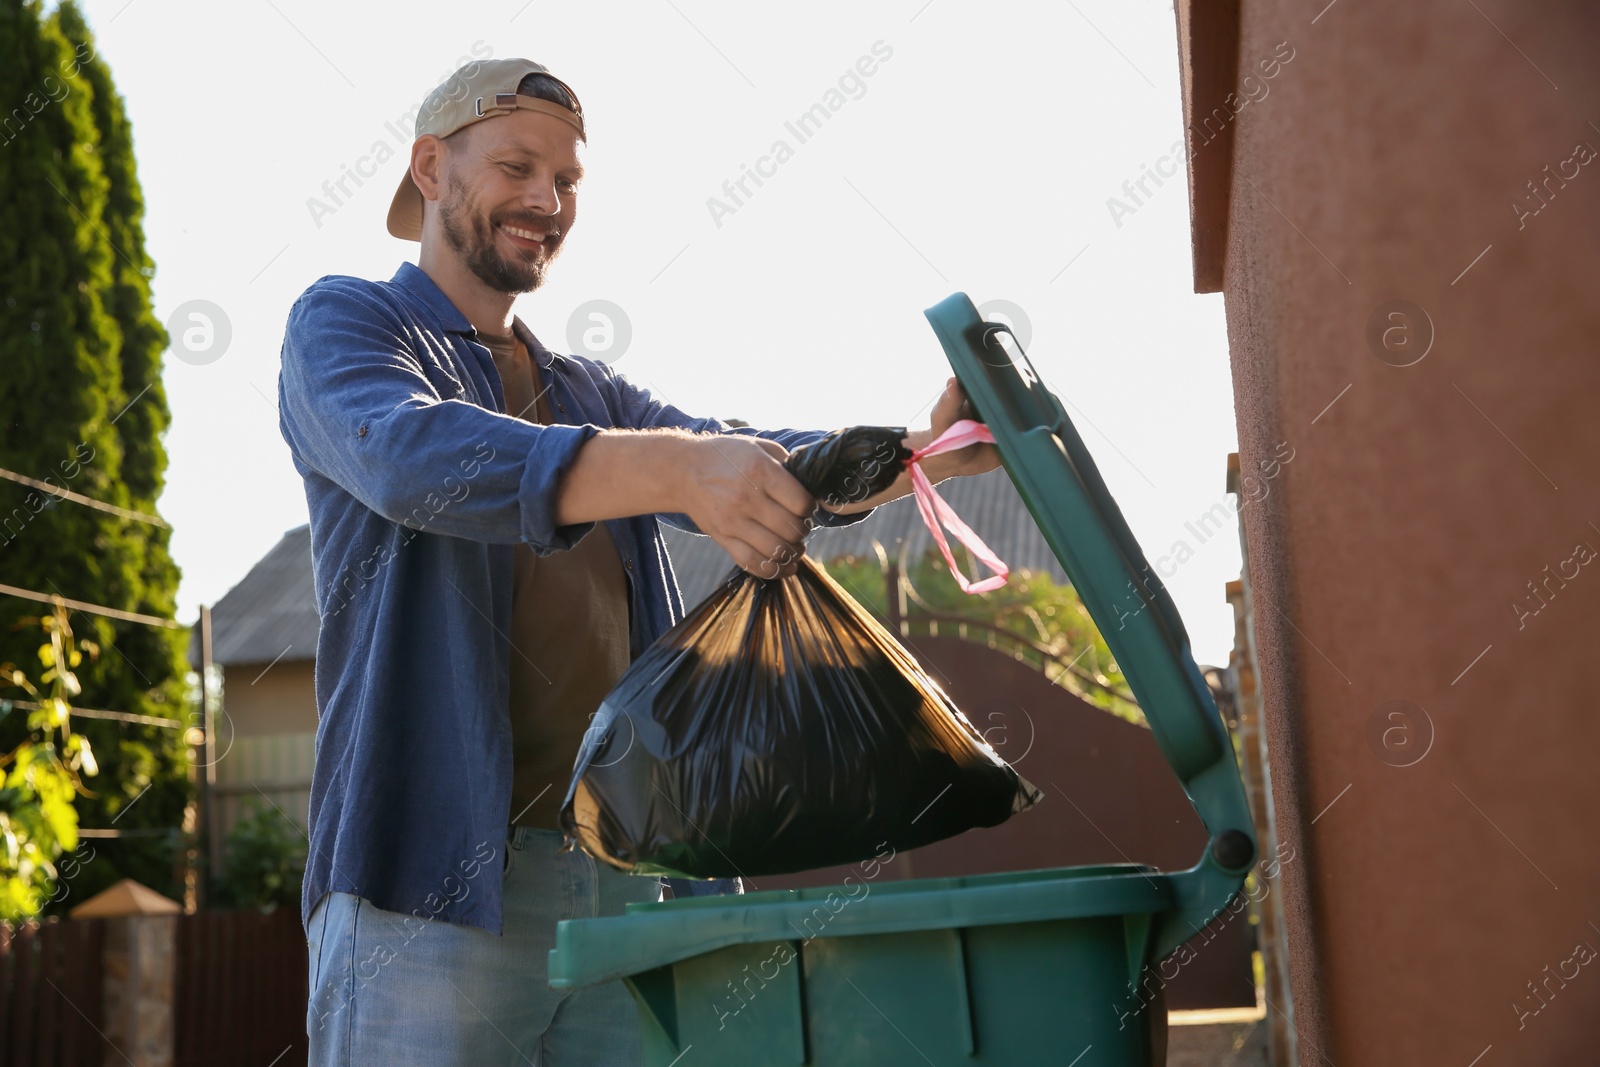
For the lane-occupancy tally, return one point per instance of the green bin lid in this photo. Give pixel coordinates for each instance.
(1062, 488)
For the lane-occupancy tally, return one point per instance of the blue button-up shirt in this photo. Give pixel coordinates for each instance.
(419, 484)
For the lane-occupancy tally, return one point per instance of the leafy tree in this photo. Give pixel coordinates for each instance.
(81, 408)
(1031, 617)
(266, 862)
(40, 776)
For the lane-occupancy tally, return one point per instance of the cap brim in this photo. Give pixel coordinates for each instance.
(405, 211)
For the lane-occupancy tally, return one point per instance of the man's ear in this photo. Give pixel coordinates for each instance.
(427, 165)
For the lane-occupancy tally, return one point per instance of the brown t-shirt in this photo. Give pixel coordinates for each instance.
(569, 630)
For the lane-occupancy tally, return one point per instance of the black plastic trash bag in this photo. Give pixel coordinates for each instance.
(780, 728)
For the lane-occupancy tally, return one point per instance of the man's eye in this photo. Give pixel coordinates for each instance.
(515, 168)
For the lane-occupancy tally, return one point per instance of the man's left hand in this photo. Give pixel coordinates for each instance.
(952, 407)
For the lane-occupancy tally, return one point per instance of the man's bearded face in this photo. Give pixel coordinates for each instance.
(505, 262)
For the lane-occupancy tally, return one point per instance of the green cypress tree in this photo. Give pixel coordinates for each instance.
(144, 756)
(78, 346)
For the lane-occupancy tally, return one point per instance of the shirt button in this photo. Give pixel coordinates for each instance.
(628, 563)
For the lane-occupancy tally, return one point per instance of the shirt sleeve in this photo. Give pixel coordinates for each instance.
(356, 405)
(644, 411)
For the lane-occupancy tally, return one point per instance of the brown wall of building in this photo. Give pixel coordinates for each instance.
(266, 740)
(283, 700)
(1386, 563)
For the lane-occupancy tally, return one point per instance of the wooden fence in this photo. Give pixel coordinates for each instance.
(241, 989)
(238, 996)
(51, 1009)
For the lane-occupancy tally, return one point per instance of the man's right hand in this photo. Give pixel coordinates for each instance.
(739, 494)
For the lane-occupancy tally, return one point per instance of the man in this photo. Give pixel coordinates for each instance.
(488, 560)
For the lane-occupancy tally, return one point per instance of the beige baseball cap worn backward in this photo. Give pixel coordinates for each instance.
(480, 90)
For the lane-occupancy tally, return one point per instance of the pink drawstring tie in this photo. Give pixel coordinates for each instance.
(935, 511)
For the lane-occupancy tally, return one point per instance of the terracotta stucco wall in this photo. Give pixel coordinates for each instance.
(1382, 165)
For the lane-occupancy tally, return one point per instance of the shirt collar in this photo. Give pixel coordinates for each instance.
(414, 280)
(541, 355)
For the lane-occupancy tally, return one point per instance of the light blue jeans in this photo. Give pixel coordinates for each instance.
(388, 989)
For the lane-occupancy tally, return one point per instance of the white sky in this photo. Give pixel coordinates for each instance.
(979, 158)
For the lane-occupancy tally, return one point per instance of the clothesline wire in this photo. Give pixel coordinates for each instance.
(79, 498)
(96, 713)
(93, 609)
(128, 616)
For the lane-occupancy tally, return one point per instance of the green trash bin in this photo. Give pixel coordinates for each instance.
(1039, 967)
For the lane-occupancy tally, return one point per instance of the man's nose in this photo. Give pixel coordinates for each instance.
(540, 196)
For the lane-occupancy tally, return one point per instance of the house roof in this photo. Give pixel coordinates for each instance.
(271, 614)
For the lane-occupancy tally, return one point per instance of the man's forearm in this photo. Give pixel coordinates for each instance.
(620, 473)
(734, 488)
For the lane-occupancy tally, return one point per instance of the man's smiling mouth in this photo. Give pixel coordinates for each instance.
(523, 237)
